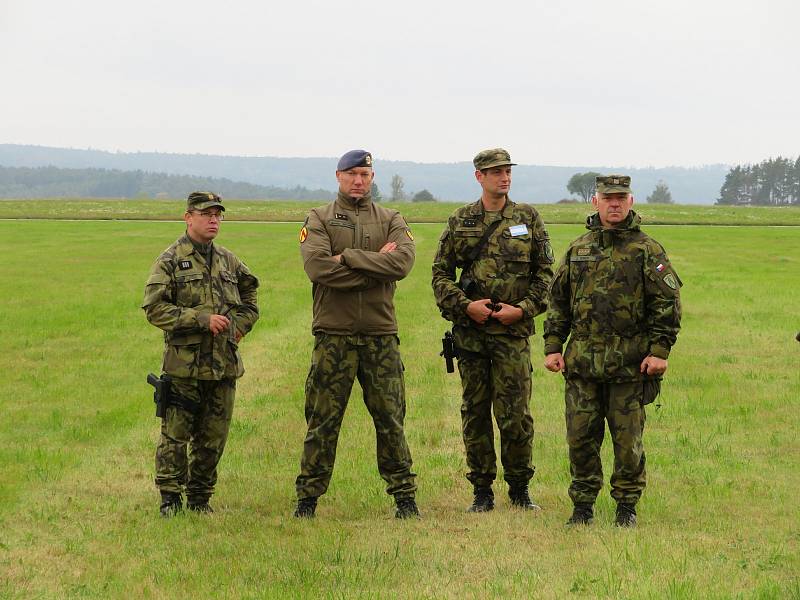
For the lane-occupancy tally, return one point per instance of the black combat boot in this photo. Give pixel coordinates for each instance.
(483, 501)
(306, 507)
(171, 504)
(520, 498)
(200, 507)
(582, 514)
(626, 515)
(406, 508)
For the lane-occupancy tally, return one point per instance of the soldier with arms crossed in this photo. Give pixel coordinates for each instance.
(616, 299)
(354, 252)
(504, 254)
(205, 300)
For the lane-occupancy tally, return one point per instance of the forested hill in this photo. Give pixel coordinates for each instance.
(446, 181)
(53, 182)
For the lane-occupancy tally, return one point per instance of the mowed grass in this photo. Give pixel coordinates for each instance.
(78, 509)
(414, 212)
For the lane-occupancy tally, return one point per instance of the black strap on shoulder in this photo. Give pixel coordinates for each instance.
(476, 250)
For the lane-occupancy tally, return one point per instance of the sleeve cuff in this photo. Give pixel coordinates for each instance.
(552, 345)
(203, 320)
(659, 351)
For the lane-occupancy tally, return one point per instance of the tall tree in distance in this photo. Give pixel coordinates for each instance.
(660, 195)
(375, 193)
(582, 184)
(398, 194)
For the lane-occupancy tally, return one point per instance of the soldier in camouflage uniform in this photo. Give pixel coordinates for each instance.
(616, 297)
(354, 252)
(492, 309)
(204, 298)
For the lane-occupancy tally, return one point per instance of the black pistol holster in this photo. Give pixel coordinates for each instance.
(164, 395)
(448, 351)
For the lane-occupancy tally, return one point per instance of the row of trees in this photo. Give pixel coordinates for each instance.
(773, 182)
(582, 184)
(53, 182)
(399, 194)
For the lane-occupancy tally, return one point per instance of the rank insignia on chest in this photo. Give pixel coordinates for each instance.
(583, 251)
(341, 216)
(303, 234)
(470, 223)
(185, 264)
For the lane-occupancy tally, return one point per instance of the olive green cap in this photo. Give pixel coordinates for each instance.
(613, 184)
(495, 157)
(203, 200)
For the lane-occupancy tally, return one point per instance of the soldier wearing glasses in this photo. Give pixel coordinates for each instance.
(204, 299)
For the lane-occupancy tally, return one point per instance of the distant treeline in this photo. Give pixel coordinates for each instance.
(773, 182)
(52, 182)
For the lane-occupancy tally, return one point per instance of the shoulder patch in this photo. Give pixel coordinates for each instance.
(303, 234)
(670, 280)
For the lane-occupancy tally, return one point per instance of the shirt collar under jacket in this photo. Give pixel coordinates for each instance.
(349, 203)
(478, 210)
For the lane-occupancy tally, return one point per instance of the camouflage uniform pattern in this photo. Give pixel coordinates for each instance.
(336, 362)
(494, 359)
(616, 297)
(512, 269)
(495, 377)
(183, 290)
(355, 329)
(192, 442)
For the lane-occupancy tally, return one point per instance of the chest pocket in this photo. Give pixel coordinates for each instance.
(230, 288)
(464, 239)
(189, 289)
(342, 235)
(516, 249)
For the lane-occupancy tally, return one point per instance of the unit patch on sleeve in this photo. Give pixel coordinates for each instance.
(303, 234)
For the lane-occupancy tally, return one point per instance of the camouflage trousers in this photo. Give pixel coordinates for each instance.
(336, 362)
(589, 404)
(191, 445)
(495, 376)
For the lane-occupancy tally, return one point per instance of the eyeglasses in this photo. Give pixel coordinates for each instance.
(211, 215)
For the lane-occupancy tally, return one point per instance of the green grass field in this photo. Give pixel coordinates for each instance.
(414, 212)
(78, 509)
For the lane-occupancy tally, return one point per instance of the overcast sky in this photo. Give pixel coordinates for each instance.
(577, 83)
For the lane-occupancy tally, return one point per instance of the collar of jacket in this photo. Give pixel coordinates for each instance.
(186, 247)
(631, 223)
(477, 208)
(349, 203)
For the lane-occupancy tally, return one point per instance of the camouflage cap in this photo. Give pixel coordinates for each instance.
(495, 157)
(203, 200)
(354, 158)
(613, 184)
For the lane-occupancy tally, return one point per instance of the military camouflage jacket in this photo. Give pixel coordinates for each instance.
(513, 267)
(182, 293)
(617, 298)
(355, 296)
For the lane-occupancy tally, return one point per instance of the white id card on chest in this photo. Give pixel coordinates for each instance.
(517, 230)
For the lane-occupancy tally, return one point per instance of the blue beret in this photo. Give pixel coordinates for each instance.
(354, 158)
